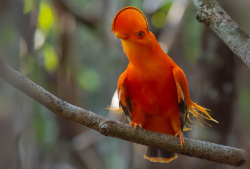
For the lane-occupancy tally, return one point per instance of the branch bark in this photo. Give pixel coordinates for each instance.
(211, 14)
(194, 148)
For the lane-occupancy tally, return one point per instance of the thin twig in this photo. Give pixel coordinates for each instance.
(211, 14)
(194, 148)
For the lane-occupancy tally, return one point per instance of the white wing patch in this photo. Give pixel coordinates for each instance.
(179, 87)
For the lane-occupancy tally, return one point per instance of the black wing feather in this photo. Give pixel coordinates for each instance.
(183, 113)
(127, 109)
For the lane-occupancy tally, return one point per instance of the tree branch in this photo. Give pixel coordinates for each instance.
(194, 148)
(211, 14)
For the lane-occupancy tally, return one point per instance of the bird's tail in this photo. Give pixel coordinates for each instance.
(156, 155)
(200, 113)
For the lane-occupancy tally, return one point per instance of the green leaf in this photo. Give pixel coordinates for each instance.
(28, 6)
(89, 80)
(158, 19)
(50, 57)
(46, 17)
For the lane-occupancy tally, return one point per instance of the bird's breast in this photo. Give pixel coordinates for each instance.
(155, 94)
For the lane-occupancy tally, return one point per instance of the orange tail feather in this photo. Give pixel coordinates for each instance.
(120, 110)
(200, 113)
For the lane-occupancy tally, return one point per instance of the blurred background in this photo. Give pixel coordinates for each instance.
(66, 46)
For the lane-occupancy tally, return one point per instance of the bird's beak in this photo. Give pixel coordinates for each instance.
(121, 36)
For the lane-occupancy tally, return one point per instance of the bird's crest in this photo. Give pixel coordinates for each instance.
(129, 16)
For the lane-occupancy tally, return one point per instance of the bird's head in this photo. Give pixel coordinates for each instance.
(131, 26)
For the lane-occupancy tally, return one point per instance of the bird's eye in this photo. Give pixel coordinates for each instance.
(140, 34)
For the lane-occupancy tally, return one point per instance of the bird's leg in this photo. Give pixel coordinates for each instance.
(138, 116)
(176, 125)
(180, 134)
(135, 125)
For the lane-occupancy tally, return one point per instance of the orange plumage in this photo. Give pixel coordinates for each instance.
(153, 90)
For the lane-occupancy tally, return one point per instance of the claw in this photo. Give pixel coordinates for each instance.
(135, 125)
(180, 134)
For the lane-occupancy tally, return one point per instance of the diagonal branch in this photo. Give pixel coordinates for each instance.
(194, 148)
(211, 14)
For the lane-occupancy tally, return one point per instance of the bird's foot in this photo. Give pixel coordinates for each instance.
(135, 125)
(180, 134)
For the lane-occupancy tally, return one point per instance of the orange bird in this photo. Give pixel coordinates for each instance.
(153, 91)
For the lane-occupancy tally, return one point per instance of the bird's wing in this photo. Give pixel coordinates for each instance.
(124, 99)
(183, 95)
(185, 104)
